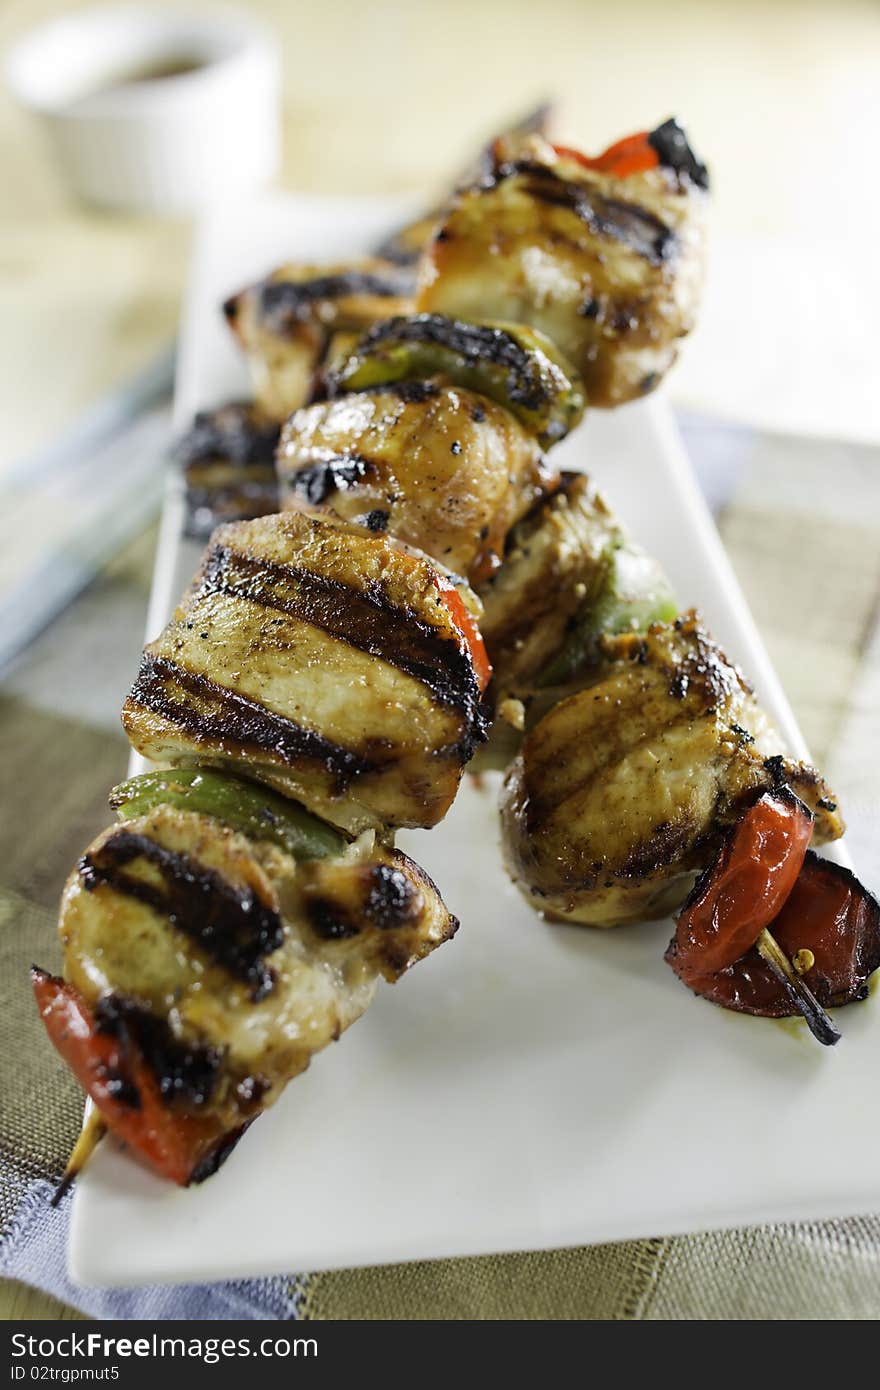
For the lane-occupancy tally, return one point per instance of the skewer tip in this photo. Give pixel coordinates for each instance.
(90, 1136)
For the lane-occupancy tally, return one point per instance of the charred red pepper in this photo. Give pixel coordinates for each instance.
(461, 616)
(824, 922)
(176, 1144)
(829, 927)
(467, 626)
(744, 889)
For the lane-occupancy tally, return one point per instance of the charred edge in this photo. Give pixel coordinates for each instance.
(232, 432)
(674, 152)
(186, 1072)
(777, 766)
(630, 223)
(367, 621)
(330, 920)
(319, 481)
(231, 925)
(723, 841)
(474, 343)
(785, 793)
(208, 1165)
(208, 507)
(428, 887)
(414, 392)
(389, 901)
(285, 303)
(701, 672)
(846, 876)
(238, 719)
(667, 844)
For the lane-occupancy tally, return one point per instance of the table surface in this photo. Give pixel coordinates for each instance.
(782, 95)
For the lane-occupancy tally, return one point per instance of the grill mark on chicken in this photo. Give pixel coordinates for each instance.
(388, 900)
(540, 810)
(669, 841)
(319, 481)
(285, 303)
(232, 925)
(236, 718)
(703, 673)
(187, 1072)
(367, 621)
(635, 226)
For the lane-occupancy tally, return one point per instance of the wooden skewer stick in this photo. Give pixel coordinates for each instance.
(90, 1136)
(818, 1022)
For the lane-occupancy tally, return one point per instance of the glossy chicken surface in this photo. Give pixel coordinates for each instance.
(609, 267)
(439, 467)
(292, 324)
(229, 963)
(622, 792)
(322, 660)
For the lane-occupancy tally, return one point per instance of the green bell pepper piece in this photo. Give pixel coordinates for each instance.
(629, 593)
(516, 366)
(256, 811)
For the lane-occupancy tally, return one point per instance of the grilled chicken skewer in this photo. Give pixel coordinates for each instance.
(604, 255)
(213, 943)
(221, 936)
(330, 663)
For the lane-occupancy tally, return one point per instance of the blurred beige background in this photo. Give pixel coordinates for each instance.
(781, 96)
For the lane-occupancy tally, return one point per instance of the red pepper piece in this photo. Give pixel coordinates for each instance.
(744, 889)
(177, 1145)
(467, 626)
(634, 154)
(829, 915)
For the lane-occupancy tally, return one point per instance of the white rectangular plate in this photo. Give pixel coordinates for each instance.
(530, 1085)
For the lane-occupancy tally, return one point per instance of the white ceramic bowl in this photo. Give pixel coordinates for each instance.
(172, 143)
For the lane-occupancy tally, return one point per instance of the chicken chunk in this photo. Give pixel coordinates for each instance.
(623, 791)
(609, 267)
(228, 963)
(439, 467)
(228, 463)
(570, 575)
(327, 662)
(294, 322)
